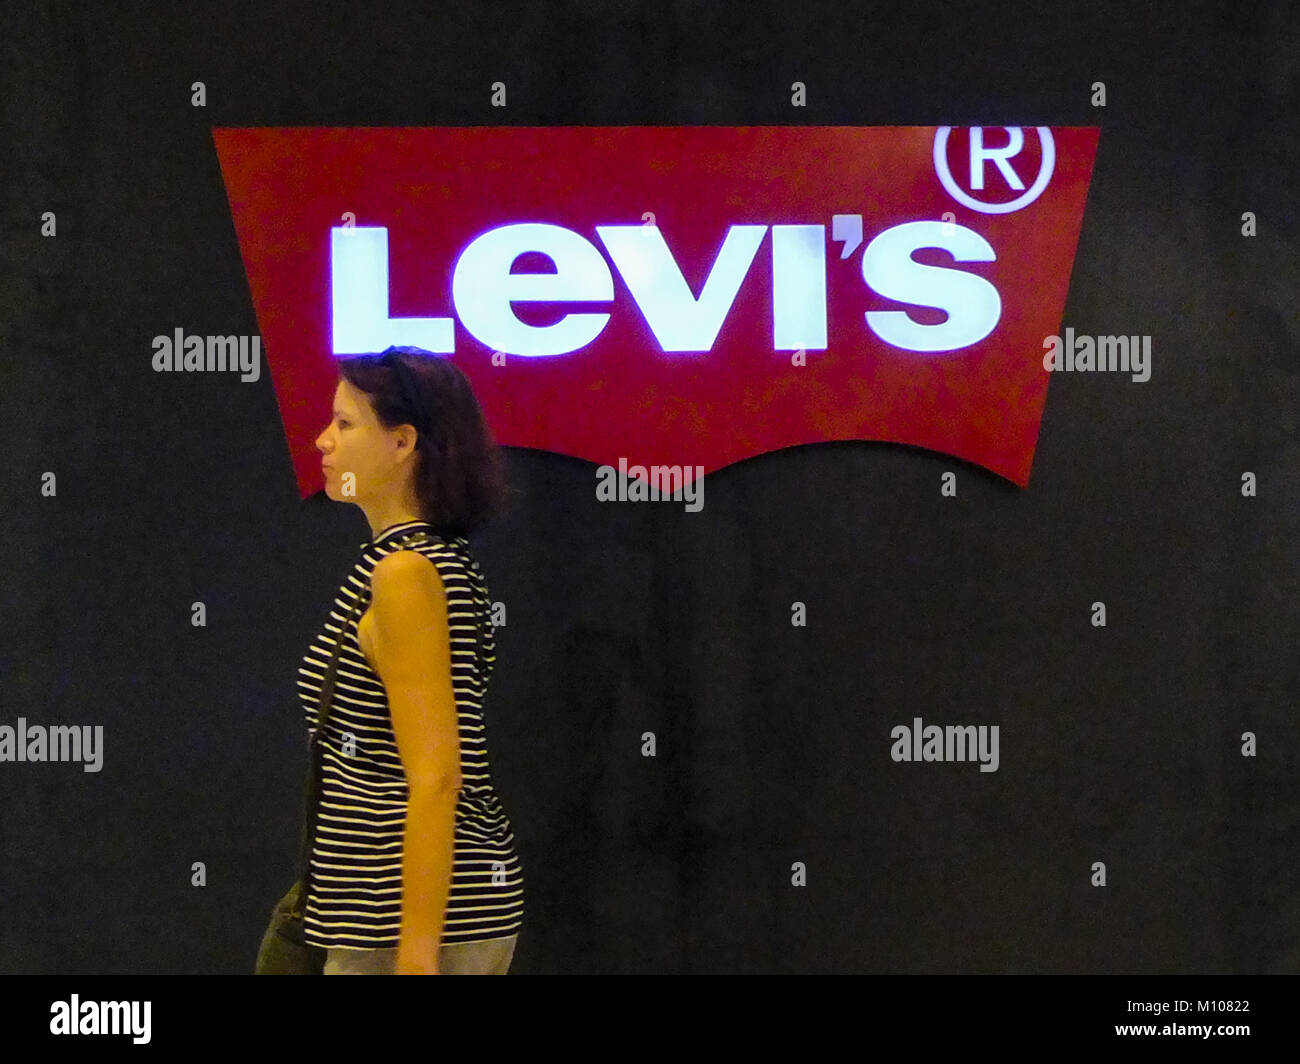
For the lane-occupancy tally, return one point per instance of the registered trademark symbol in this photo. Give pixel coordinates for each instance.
(1000, 156)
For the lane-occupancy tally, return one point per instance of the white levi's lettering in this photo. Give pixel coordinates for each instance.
(484, 289)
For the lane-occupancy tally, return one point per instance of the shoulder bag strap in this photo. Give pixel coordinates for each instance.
(323, 706)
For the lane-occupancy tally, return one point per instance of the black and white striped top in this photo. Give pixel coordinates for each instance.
(356, 863)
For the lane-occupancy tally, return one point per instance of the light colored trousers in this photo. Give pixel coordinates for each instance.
(491, 957)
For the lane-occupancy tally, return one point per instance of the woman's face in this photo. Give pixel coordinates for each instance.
(354, 442)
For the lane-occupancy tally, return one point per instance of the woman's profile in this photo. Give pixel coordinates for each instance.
(413, 863)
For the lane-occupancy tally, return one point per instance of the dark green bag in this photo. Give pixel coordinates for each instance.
(283, 951)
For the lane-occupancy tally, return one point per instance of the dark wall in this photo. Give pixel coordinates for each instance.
(1119, 744)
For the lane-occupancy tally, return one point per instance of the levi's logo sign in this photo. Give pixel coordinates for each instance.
(687, 296)
(483, 288)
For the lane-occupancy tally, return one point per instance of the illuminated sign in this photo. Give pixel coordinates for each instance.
(687, 295)
(484, 288)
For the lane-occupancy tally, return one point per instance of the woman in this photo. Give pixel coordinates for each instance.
(413, 864)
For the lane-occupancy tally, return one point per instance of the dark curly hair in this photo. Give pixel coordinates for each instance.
(460, 480)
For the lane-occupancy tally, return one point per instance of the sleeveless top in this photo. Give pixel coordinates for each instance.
(356, 857)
